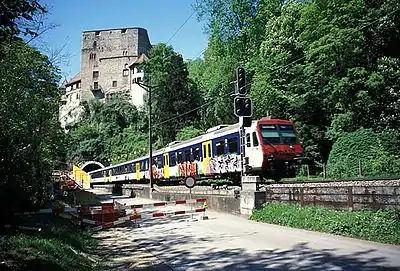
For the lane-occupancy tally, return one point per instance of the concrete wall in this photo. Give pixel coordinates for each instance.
(222, 204)
(339, 196)
(225, 204)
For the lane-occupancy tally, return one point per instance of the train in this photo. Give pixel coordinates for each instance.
(272, 151)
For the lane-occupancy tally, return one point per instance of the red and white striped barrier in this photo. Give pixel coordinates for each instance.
(159, 204)
(167, 213)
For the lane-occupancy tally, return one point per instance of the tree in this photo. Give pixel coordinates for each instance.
(102, 128)
(30, 130)
(188, 132)
(174, 93)
(15, 17)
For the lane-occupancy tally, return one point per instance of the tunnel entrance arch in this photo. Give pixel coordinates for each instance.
(88, 166)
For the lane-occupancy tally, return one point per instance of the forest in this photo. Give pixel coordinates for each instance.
(332, 67)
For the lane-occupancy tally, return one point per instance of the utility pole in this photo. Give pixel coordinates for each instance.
(149, 89)
(150, 145)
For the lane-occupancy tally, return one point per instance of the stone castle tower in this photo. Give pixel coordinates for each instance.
(105, 59)
(109, 60)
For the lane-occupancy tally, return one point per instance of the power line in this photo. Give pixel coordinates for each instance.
(176, 32)
(248, 84)
(190, 111)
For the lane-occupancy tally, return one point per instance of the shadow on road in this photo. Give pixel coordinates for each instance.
(173, 247)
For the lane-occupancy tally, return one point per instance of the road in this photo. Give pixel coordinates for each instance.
(227, 242)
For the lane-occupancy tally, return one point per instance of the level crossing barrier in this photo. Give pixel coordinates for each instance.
(133, 214)
(108, 215)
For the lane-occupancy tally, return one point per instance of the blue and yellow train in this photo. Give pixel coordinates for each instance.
(272, 147)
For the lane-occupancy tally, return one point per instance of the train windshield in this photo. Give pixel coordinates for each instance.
(278, 134)
(288, 135)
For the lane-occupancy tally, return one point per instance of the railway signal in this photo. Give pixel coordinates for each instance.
(241, 81)
(243, 107)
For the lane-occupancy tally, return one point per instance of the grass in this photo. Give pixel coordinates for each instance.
(59, 245)
(380, 226)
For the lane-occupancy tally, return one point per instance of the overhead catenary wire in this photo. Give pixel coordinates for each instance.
(272, 70)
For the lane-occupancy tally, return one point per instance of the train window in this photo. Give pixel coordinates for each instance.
(209, 150)
(220, 147)
(160, 163)
(255, 139)
(196, 154)
(187, 155)
(288, 135)
(269, 134)
(232, 145)
(172, 159)
(180, 157)
(248, 140)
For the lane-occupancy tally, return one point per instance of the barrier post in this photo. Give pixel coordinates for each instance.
(190, 182)
(205, 206)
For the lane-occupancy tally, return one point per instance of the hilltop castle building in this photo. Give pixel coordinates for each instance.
(110, 60)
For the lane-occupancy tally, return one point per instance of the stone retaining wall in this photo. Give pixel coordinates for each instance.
(359, 195)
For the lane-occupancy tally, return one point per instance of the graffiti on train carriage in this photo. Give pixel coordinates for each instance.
(224, 164)
(187, 168)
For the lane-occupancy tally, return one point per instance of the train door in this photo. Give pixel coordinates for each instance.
(110, 175)
(253, 149)
(137, 171)
(166, 166)
(207, 154)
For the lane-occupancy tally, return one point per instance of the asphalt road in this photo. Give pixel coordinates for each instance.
(227, 242)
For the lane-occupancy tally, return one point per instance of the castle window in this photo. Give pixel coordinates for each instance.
(114, 84)
(97, 33)
(95, 74)
(96, 85)
(123, 31)
(92, 56)
(125, 72)
(95, 44)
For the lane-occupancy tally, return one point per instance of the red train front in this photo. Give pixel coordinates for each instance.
(273, 148)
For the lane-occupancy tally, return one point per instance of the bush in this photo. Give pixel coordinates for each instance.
(376, 152)
(59, 246)
(380, 226)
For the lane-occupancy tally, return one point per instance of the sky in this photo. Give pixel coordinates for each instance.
(161, 18)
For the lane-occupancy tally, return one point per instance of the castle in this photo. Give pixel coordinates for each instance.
(110, 60)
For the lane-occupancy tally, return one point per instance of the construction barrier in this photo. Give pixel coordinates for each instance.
(134, 216)
(108, 215)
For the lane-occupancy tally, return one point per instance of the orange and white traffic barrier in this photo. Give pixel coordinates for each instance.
(167, 213)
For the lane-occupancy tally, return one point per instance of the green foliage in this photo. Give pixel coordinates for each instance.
(51, 249)
(128, 145)
(30, 133)
(380, 226)
(188, 132)
(375, 151)
(109, 132)
(16, 16)
(173, 93)
(330, 66)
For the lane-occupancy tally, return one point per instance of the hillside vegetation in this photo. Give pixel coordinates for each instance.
(330, 66)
